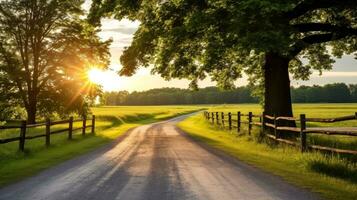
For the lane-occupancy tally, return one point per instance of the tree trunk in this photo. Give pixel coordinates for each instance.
(31, 116)
(277, 99)
(31, 109)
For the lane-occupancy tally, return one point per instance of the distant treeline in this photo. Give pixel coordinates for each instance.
(330, 93)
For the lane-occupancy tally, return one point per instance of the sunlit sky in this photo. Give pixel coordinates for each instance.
(345, 69)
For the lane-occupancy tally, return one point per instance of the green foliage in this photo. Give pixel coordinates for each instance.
(224, 38)
(330, 93)
(176, 96)
(8, 112)
(113, 98)
(45, 50)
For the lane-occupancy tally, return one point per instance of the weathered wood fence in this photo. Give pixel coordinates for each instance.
(235, 120)
(23, 128)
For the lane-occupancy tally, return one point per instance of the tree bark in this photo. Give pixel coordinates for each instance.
(31, 109)
(277, 97)
(31, 116)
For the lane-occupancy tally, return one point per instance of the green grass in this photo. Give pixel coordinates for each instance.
(111, 123)
(311, 111)
(332, 176)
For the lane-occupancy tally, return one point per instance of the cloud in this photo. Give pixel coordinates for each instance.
(113, 23)
(335, 74)
(122, 30)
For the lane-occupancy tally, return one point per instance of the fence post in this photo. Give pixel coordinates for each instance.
(93, 124)
(302, 132)
(217, 118)
(48, 132)
(222, 115)
(238, 121)
(230, 120)
(70, 128)
(250, 121)
(84, 125)
(263, 123)
(275, 127)
(212, 117)
(22, 136)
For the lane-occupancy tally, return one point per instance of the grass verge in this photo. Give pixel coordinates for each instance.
(326, 110)
(330, 176)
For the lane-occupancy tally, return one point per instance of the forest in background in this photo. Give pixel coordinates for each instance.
(330, 93)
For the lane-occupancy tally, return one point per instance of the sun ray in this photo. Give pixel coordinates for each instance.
(96, 75)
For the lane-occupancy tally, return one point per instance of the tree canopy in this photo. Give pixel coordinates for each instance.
(189, 38)
(225, 38)
(46, 48)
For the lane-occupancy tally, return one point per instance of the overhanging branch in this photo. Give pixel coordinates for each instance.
(310, 5)
(307, 27)
(318, 39)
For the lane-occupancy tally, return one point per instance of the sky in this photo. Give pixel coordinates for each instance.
(344, 70)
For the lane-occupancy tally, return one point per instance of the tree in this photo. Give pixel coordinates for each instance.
(337, 93)
(113, 98)
(353, 91)
(46, 47)
(224, 38)
(295, 30)
(330, 93)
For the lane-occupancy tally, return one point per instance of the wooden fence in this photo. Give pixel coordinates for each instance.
(234, 121)
(23, 127)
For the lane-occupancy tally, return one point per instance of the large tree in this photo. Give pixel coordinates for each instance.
(267, 39)
(46, 48)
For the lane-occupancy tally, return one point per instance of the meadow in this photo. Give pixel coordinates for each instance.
(332, 176)
(311, 111)
(111, 123)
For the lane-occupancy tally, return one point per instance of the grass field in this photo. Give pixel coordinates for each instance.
(333, 176)
(111, 123)
(311, 110)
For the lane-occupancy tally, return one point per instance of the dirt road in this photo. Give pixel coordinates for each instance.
(155, 162)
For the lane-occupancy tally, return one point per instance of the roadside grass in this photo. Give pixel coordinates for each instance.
(111, 122)
(327, 110)
(331, 176)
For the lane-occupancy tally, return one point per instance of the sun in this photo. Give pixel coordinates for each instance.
(108, 79)
(96, 75)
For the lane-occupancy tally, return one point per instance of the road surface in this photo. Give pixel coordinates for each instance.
(157, 162)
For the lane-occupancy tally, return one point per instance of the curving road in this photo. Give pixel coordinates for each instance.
(155, 162)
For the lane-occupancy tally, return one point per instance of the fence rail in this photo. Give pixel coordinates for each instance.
(272, 123)
(23, 129)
